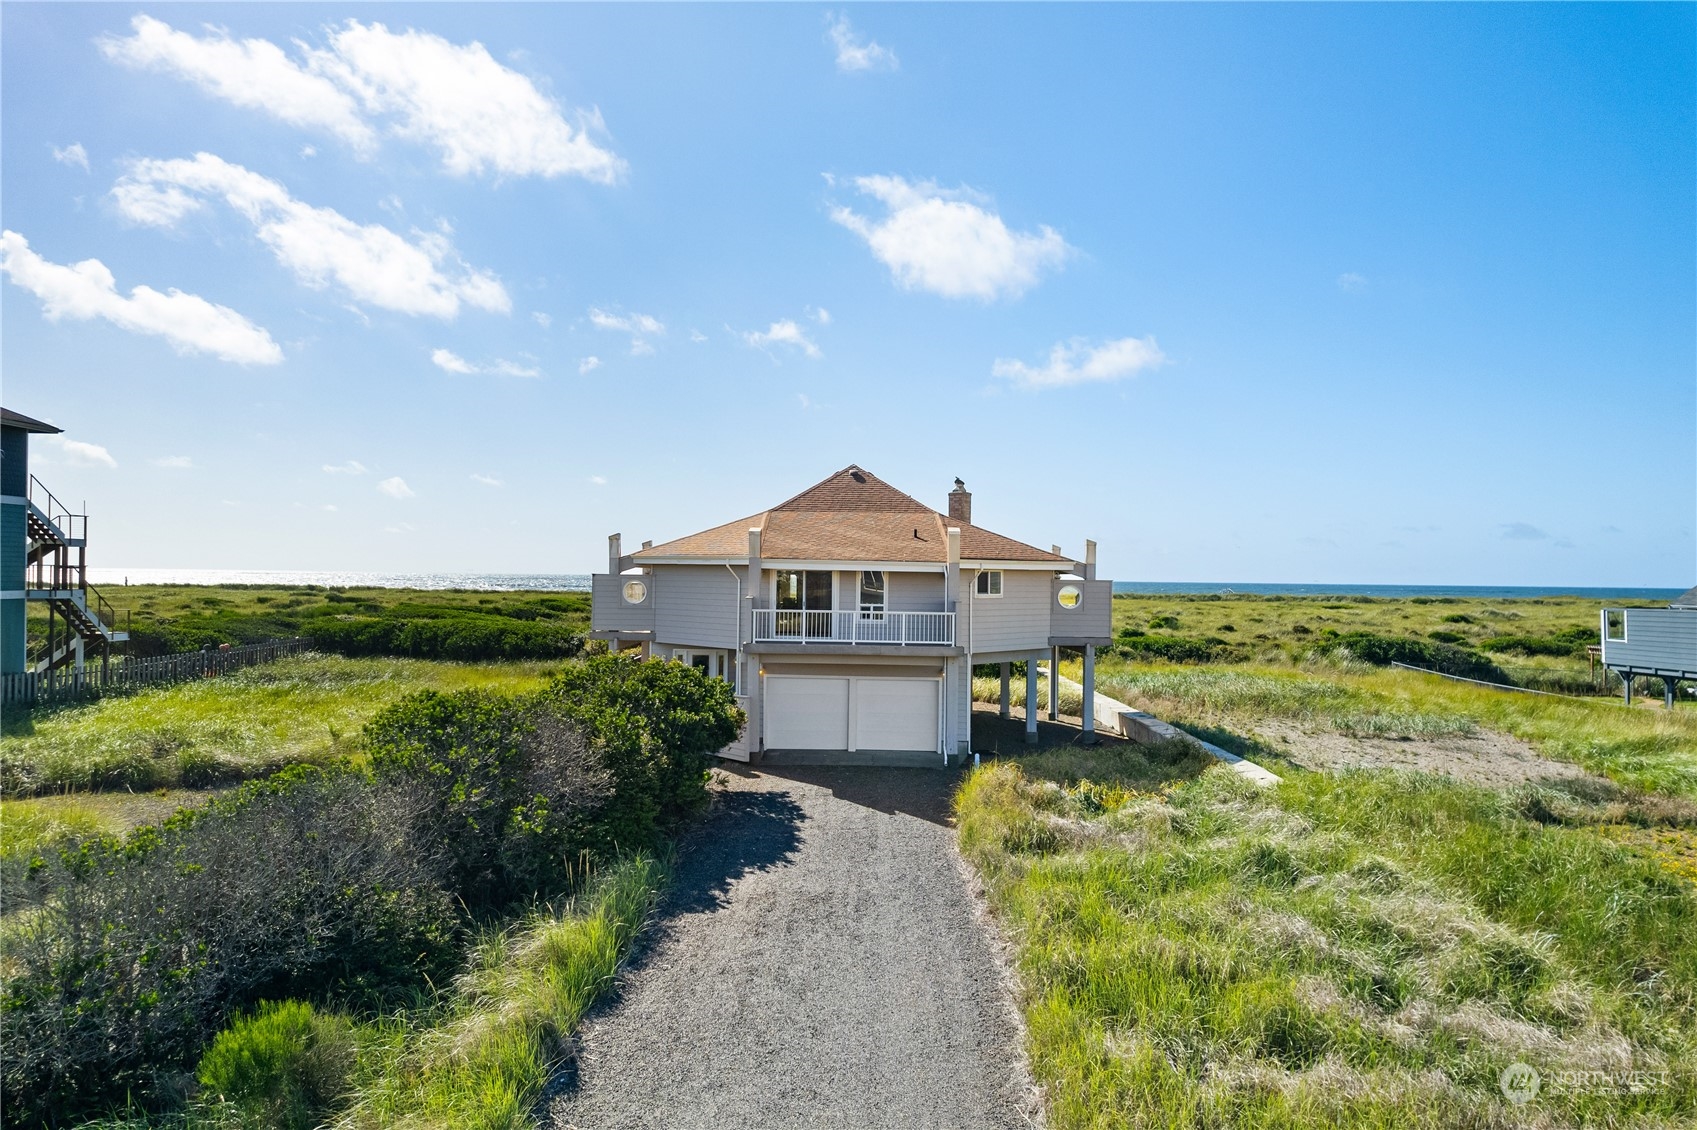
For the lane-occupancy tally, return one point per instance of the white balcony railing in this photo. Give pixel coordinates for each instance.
(778, 625)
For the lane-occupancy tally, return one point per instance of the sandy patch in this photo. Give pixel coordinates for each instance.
(1481, 758)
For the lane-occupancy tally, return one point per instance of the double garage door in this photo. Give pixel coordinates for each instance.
(851, 713)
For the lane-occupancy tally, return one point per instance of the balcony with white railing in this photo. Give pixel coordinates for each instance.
(779, 625)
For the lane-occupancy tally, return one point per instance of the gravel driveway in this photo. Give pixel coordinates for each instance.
(819, 964)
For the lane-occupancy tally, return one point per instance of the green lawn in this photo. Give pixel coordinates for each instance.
(110, 756)
(1356, 949)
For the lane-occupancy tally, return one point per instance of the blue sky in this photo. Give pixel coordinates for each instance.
(1322, 293)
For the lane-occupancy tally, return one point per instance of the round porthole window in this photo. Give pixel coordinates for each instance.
(1069, 596)
(635, 592)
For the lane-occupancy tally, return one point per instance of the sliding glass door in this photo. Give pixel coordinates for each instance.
(803, 601)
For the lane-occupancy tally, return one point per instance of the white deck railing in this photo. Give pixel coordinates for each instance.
(777, 625)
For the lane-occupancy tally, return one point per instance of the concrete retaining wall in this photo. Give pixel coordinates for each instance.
(1142, 727)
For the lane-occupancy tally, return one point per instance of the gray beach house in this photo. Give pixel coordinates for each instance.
(849, 618)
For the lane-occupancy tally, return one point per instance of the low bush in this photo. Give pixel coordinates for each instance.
(656, 727)
(1568, 642)
(141, 946)
(1176, 649)
(1382, 651)
(464, 636)
(286, 1066)
(511, 789)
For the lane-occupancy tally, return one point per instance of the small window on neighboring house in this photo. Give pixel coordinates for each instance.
(989, 582)
(1069, 596)
(1616, 620)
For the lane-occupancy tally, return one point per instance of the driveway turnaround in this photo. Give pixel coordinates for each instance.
(818, 964)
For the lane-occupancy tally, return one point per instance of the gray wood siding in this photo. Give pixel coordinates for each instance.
(1094, 615)
(1016, 620)
(608, 611)
(1657, 639)
(695, 605)
(914, 592)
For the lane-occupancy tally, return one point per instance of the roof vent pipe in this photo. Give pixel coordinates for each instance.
(960, 503)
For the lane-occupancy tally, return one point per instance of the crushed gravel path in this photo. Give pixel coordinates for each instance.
(820, 962)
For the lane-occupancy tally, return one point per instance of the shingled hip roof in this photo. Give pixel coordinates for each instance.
(850, 516)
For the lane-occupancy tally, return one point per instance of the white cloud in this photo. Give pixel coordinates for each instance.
(87, 290)
(72, 154)
(598, 480)
(252, 73)
(785, 332)
(399, 528)
(479, 115)
(451, 362)
(1077, 362)
(454, 363)
(351, 467)
(639, 326)
(173, 462)
(487, 480)
(1352, 282)
(328, 507)
(80, 454)
(945, 241)
(821, 315)
(424, 275)
(541, 319)
(857, 53)
(395, 488)
(588, 365)
(309, 151)
(697, 336)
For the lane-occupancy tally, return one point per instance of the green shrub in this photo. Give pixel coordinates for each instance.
(1447, 637)
(1567, 642)
(656, 727)
(285, 1066)
(512, 786)
(304, 884)
(1176, 649)
(1382, 651)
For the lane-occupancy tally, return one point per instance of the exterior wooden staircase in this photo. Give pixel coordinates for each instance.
(79, 620)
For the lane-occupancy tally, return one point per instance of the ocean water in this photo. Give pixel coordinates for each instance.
(579, 582)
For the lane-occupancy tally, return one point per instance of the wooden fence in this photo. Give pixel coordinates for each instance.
(126, 674)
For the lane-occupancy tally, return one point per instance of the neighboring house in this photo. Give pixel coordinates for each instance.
(849, 618)
(1655, 642)
(43, 548)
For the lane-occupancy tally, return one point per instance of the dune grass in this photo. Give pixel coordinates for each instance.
(482, 1064)
(235, 727)
(1356, 949)
(1645, 747)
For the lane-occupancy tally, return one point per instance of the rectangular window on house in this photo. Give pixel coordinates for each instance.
(872, 594)
(1616, 621)
(989, 582)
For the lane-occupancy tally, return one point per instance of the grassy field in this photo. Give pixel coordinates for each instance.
(1536, 642)
(1644, 747)
(1253, 619)
(1357, 949)
(169, 618)
(123, 760)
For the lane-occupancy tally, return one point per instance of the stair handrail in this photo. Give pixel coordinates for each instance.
(103, 610)
(74, 526)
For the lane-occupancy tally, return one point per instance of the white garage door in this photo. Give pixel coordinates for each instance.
(813, 712)
(806, 713)
(895, 714)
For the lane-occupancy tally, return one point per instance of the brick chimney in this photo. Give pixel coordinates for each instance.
(960, 503)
